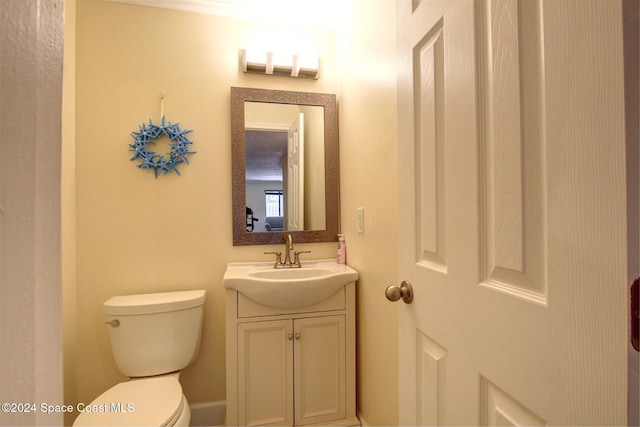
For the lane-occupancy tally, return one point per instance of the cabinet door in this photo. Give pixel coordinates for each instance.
(319, 369)
(265, 373)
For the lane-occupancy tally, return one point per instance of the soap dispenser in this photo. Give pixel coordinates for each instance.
(342, 250)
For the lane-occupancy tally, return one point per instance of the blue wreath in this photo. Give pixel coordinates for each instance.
(150, 159)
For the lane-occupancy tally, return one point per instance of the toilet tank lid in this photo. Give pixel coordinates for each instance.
(154, 303)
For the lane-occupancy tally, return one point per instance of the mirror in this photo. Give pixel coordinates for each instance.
(284, 166)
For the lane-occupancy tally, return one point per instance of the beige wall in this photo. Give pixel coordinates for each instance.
(368, 168)
(137, 234)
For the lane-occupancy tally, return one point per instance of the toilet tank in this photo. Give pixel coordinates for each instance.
(154, 334)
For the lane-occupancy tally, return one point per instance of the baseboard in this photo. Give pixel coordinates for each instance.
(363, 422)
(208, 414)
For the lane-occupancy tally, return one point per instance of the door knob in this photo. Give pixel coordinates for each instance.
(405, 291)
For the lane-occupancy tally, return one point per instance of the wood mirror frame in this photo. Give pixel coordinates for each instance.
(328, 101)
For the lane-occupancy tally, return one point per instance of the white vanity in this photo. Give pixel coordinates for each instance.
(290, 344)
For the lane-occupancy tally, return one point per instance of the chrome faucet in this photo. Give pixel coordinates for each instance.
(288, 248)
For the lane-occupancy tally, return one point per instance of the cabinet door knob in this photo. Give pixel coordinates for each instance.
(297, 336)
(290, 336)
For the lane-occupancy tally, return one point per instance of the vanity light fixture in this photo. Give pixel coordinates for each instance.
(280, 65)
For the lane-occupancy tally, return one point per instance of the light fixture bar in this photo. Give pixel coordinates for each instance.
(280, 65)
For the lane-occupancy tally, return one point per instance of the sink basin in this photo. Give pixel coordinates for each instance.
(314, 282)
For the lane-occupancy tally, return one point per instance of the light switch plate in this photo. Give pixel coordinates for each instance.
(360, 212)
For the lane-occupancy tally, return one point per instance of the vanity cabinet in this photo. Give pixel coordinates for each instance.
(291, 366)
(291, 362)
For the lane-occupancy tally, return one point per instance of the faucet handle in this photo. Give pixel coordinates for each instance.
(296, 257)
(278, 258)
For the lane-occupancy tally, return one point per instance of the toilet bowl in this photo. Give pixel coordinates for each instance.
(153, 337)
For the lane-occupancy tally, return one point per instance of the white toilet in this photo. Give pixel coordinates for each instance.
(153, 337)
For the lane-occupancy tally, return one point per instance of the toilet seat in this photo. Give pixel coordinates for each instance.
(156, 401)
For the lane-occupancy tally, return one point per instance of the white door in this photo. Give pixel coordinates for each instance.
(511, 163)
(294, 193)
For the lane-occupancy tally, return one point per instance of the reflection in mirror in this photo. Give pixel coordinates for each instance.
(284, 152)
(285, 166)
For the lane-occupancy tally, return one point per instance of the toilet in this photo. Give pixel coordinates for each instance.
(153, 337)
